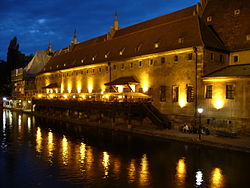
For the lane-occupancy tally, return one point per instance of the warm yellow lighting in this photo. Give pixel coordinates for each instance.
(79, 86)
(120, 97)
(90, 85)
(156, 45)
(82, 152)
(38, 140)
(56, 90)
(132, 171)
(69, 87)
(65, 96)
(39, 96)
(218, 97)
(29, 123)
(132, 87)
(181, 172)
(47, 91)
(74, 96)
(83, 96)
(145, 82)
(51, 96)
(106, 96)
(65, 151)
(144, 173)
(105, 163)
(120, 89)
(182, 96)
(50, 146)
(217, 179)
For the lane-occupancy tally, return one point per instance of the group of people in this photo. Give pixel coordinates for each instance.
(190, 129)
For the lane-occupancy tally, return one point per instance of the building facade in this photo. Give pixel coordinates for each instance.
(182, 61)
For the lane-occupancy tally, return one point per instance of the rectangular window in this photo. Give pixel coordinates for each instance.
(230, 92)
(122, 66)
(100, 69)
(140, 90)
(162, 93)
(114, 67)
(107, 69)
(176, 58)
(163, 60)
(190, 56)
(212, 56)
(209, 91)
(221, 58)
(131, 65)
(151, 62)
(140, 63)
(190, 94)
(236, 59)
(175, 93)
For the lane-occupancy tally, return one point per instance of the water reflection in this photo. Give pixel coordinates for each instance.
(65, 151)
(181, 172)
(85, 163)
(217, 178)
(199, 178)
(144, 173)
(38, 140)
(82, 152)
(29, 124)
(50, 146)
(105, 163)
(131, 171)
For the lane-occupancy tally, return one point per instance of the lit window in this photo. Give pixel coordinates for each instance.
(236, 59)
(93, 58)
(190, 94)
(156, 45)
(209, 18)
(162, 93)
(175, 93)
(209, 91)
(248, 37)
(236, 12)
(82, 60)
(230, 92)
(64, 64)
(180, 40)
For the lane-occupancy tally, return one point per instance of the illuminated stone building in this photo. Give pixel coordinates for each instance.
(180, 60)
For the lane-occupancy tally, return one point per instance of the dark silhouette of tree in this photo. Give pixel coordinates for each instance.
(15, 60)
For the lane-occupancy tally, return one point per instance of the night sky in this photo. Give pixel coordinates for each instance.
(36, 22)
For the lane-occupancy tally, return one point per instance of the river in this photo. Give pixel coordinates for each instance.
(44, 154)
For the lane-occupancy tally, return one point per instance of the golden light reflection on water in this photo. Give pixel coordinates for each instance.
(19, 123)
(38, 140)
(181, 172)
(117, 166)
(50, 146)
(131, 171)
(217, 178)
(144, 173)
(82, 152)
(105, 163)
(29, 123)
(65, 151)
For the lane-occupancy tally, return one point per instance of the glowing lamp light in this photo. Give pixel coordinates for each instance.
(74, 96)
(218, 104)
(39, 95)
(29, 102)
(4, 98)
(120, 89)
(119, 97)
(65, 96)
(200, 110)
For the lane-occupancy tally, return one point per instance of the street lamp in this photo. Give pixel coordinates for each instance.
(200, 111)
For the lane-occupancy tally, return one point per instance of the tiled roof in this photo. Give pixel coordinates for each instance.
(231, 28)
(234, 71)
(122, 81)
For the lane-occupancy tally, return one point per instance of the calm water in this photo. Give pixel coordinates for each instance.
(39, 154)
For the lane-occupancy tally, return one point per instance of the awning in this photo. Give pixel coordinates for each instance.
(51, 86)
(123, 81)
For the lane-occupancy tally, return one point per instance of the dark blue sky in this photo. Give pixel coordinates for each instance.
(36, 22)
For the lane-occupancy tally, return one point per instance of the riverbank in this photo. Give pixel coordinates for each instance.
(241, 143)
